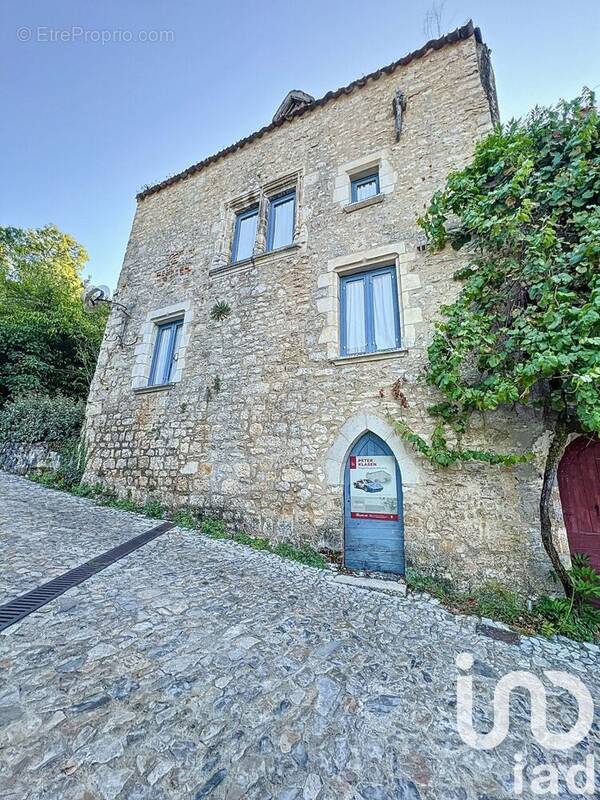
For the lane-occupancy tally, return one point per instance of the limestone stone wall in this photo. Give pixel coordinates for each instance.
(263, 410)
(23, 458)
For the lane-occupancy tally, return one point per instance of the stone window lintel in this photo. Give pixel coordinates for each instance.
(289, 181)
(245, 201)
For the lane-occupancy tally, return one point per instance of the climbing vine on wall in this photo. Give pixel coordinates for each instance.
(440, 452)
(525, 327)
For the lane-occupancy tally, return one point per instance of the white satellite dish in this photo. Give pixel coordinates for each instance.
(94, 295)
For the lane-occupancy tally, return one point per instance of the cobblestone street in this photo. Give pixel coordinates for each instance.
(202, 669)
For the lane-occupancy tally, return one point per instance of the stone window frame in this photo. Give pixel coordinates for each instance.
(145, 347)
(400, 254)
(261, 197)
(377, 161)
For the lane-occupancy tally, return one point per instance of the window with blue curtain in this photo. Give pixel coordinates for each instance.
(369, 315)
(280, 220)
(244, 236)
(166, 347)
(364, 187)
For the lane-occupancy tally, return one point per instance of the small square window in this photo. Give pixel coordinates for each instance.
(364, 187)
(281, 218)
(369, 316)
(244, 237)
(166, 348)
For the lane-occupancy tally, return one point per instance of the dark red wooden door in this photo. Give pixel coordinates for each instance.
(579, 484)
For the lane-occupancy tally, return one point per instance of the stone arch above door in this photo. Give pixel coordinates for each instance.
(355, 427)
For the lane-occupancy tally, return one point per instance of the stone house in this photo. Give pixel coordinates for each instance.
(272, 316)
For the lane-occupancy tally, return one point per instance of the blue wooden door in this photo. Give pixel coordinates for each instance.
(373, 540)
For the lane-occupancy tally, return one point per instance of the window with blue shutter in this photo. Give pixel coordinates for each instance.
(166, 348)
(364, 187)
(244, 237)
(369, 314)
(281, 217)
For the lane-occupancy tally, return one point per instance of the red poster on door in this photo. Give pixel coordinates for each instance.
(373, 492)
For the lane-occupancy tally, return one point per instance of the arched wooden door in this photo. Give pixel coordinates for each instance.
(373, 523)
(579, 485)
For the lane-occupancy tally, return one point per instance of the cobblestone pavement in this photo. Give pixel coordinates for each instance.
(201, 669)
(46, 535)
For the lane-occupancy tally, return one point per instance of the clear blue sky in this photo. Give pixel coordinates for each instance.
(86, 124)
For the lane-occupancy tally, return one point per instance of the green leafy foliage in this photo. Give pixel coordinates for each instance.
(492, 599)
(215, 528)
(576, 618)
(220, 311)
(46, 478)
(185, 518)
(241, 537)
(305, 554)
(525, 327)
(153, 509)
(72, 462)
(440, 452)
(432, 584)
(38, 418)
(54, 421)
(48, 343)
(498, 602)
(120, 503)
(80, 489)
(558, 616)
(260, 543)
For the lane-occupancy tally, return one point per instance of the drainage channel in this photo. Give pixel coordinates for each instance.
(25, 604)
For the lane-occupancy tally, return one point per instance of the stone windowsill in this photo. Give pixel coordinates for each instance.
(160, 387)
(370, 201)
(248, 263)
(359, 357)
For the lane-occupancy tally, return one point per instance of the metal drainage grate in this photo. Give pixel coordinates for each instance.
(25, 604)
(509, 637)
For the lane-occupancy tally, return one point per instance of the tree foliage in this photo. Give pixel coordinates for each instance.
(37, 418)
(48, 344)
(525, 327)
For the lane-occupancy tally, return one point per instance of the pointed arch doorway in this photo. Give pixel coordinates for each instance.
(373, 519)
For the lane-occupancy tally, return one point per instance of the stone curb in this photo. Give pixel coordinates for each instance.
(371, 584)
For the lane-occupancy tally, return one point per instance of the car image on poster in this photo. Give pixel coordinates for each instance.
(373, 491)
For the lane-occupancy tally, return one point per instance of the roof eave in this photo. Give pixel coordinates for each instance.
(457, 35)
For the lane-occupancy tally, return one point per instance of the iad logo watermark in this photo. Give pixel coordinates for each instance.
(580, 778)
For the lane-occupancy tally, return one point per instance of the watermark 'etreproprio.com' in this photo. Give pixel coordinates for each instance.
(77, 33)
